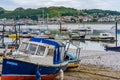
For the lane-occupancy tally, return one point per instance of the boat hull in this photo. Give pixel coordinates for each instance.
(73, 60)
(73, 65)
(18, 70)
(29, 77)
(25, 36)
(117, 48)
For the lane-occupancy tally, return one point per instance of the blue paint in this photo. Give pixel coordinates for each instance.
(38, 75)
(50, 42)
(71, 55)
(12, 63)
(72, 58)
(26, 68)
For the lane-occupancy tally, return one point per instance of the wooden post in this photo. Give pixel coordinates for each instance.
(61, 75)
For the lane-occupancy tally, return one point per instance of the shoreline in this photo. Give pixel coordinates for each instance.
(84, 23)
(65, 23)
(103, 59)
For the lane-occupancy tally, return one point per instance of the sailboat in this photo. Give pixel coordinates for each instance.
(113, 48)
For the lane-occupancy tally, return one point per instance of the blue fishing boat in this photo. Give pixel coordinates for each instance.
(35, 59)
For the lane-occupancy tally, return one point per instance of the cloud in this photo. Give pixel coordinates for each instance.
(40, 2)
(78, 4)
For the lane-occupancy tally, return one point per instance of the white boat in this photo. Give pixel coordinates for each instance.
(86, 30)
(104, 36)
(77, 36)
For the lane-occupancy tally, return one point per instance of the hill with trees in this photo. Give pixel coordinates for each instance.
(52, 12)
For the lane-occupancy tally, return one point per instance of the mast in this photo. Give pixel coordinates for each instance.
(19, 33)
(47, 21)
(16, 35)
(43, 17)
(116, 30)
(3, 32)
(60, 26)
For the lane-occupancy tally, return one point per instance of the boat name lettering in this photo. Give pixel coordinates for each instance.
(11, 63)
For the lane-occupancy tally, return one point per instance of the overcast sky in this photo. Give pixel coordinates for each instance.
(77, 4)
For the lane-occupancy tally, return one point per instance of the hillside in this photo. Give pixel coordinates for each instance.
(52, 12)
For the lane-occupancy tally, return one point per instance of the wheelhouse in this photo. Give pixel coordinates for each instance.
(42, 48)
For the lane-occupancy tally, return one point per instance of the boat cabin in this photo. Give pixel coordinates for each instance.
(105, 35)
(43, 50)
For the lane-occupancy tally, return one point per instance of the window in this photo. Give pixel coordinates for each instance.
(41, 50)
(62, 49)
(50, 52)
(32, 48)
(23, 47)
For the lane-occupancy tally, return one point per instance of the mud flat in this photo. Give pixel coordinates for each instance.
(96, 65)
(90, 72)
(106, 59)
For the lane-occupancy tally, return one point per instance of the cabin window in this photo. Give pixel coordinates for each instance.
(23, 47)
(50, 52)
(104, 34)
(32, 48)
(41, 50)
(62, 53)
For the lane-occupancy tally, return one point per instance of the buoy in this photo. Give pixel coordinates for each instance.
(61, 74)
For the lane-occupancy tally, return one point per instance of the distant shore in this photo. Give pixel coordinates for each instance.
(64, 23)
(93, 23)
